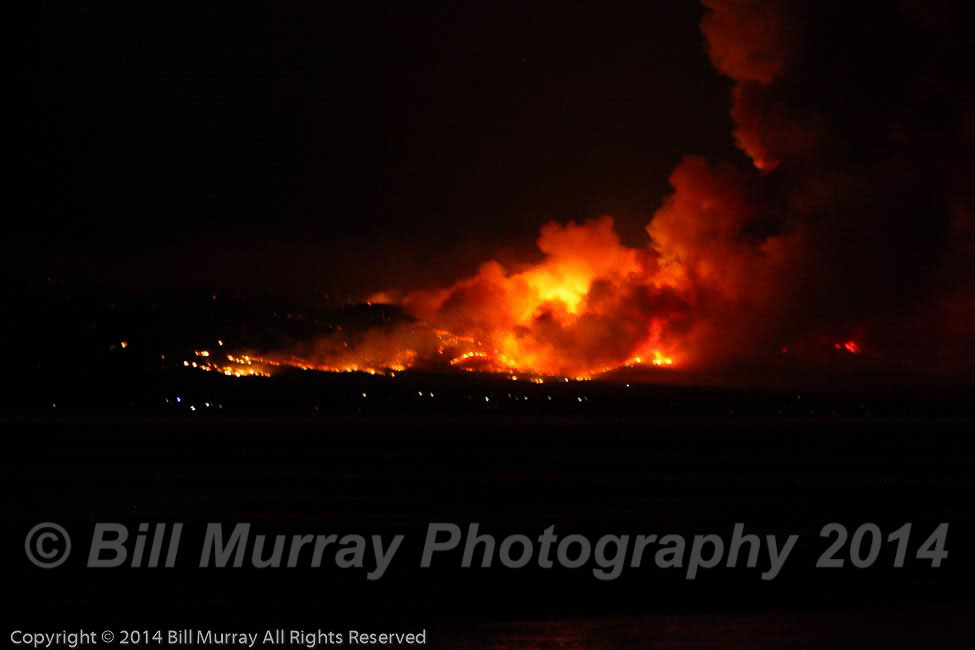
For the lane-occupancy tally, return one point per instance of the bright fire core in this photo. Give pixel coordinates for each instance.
(702, 291)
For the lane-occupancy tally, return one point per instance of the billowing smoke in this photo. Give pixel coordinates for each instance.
(589, 306)
(855, 223)
(862, 119)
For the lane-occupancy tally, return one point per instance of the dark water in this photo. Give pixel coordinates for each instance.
(594, 477)
(894, 628)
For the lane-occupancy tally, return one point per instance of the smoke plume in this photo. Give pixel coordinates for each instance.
(854, 224)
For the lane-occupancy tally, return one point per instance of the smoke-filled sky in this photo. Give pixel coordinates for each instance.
(775, 172)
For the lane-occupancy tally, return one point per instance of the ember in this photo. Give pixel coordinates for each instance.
(849, 346)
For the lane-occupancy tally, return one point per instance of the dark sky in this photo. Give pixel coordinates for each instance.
(299, 149)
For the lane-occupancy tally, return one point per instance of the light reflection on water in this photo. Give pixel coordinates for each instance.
(551, 636)
(545, 635)
(890, 629)
(609, 633)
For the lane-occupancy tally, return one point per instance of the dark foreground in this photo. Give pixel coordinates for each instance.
(593, 476)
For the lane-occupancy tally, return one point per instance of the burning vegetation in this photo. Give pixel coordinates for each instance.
(832, 233)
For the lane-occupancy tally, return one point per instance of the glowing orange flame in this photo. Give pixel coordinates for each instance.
(242, 366)
(590, 306)
(849, 346)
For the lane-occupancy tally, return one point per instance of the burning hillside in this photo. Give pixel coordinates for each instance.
(820, 241)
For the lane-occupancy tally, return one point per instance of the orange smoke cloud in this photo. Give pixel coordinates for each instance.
(821, 242)
(752, 42)
(700, 290)
(748, 40)
(593, 304)
(590, 305)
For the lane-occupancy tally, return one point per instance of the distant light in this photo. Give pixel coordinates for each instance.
(364, 395)
(124, 344)
(192, 408)
(219, 342)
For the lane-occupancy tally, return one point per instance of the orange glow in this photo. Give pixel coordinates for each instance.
(849, 346)
(696, 290)
(699, 290)
(242, 366)
(585, 309)
(702, 288)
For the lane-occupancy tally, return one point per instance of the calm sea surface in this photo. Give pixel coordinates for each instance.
(915, 629)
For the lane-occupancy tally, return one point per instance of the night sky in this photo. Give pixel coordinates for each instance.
(298, 150)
